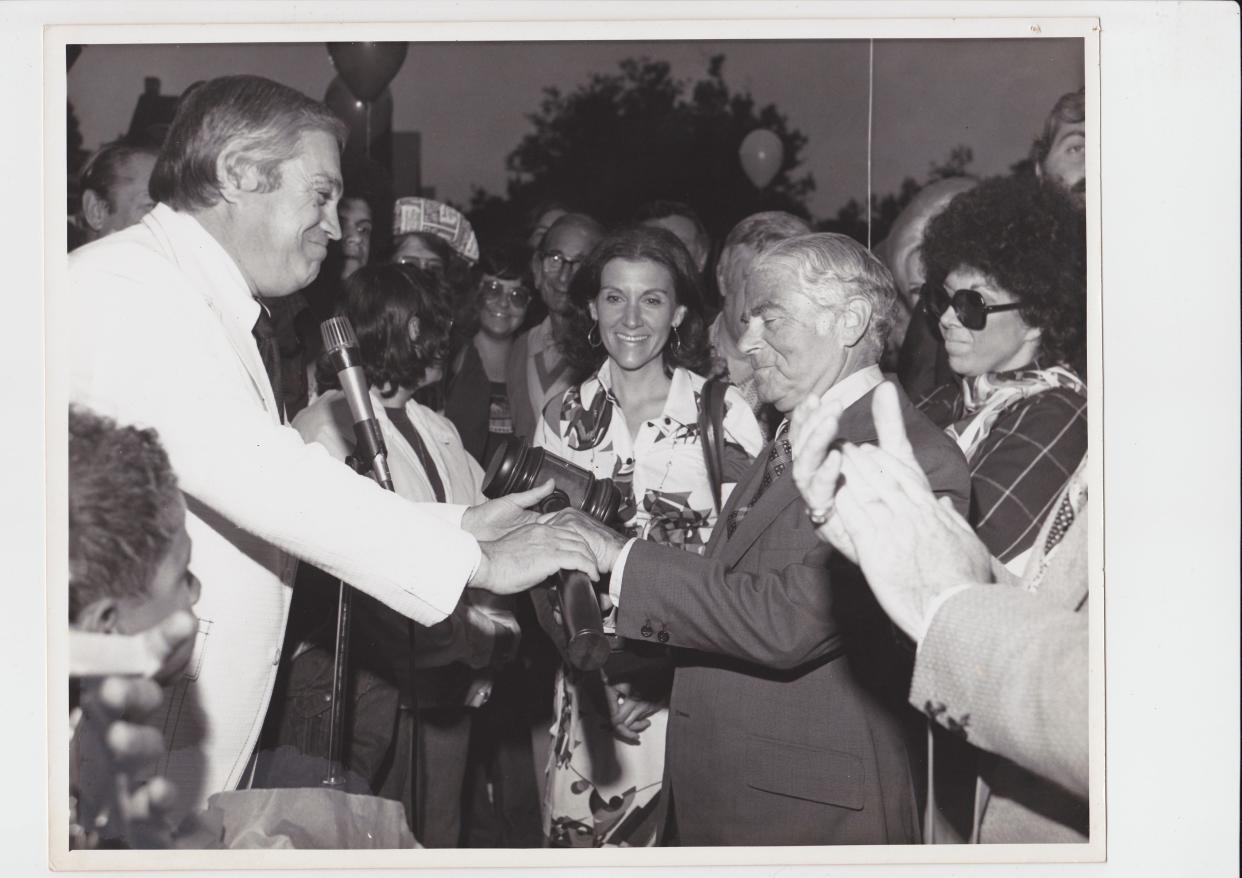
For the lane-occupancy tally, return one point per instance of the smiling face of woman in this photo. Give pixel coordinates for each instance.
(636, 309)
(1006, 342)
(502, 306)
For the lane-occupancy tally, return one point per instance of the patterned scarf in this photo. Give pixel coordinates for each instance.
(987, 397)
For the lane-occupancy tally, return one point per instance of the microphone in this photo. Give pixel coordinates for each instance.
(587, 648)
(341, 346)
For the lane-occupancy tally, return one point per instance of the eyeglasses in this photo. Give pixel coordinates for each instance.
(555, 260)
(972, 311)
(493, 292)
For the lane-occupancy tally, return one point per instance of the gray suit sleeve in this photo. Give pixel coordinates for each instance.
(1009, 670)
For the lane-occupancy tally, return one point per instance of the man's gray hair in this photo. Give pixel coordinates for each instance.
(263, 120)
(759, 231)
(829, 268)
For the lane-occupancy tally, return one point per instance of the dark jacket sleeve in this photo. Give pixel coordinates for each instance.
(780, 618)
(789, 613)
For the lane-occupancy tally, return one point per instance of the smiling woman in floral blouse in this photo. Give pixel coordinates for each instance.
(639, 333)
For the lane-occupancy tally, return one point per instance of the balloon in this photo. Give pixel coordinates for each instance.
(367, 68)
(761, 153)
(353, 112)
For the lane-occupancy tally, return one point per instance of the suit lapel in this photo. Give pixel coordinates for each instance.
(746, 487)
(856, 426)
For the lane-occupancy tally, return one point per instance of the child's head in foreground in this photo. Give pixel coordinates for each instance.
(129, 553)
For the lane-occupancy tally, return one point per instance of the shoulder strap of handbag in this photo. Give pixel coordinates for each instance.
(711, 417)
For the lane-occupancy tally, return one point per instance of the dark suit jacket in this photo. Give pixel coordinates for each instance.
(779, 732)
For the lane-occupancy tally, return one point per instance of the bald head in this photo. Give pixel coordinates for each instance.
(901, 250)
(554, 264)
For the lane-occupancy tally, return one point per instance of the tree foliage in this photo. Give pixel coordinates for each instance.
(625, 138)
(851, 219)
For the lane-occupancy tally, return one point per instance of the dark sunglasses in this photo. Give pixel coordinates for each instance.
(972, 312)
(495, 292)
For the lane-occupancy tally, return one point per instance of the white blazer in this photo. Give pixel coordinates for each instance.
(160, 336)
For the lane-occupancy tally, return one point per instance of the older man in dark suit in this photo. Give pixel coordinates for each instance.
(781, 730)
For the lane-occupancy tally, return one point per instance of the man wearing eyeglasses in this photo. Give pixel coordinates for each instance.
(536, 371)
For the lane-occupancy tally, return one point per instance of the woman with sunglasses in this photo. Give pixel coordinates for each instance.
(637, 340)
(1006, 275)
(477, 398)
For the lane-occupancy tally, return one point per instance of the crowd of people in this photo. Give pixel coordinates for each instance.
(844, 588)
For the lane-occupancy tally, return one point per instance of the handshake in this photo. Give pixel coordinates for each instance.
(521, 547)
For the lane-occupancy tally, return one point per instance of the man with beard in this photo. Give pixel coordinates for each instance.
(536, 370)
(167, 332)
(1059, 153)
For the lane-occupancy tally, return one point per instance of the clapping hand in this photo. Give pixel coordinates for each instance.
(882, 514)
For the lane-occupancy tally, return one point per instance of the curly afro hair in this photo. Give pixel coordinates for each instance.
(1030, 239)
(638, 243)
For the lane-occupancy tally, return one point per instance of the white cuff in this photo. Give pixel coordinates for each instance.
(618, 573)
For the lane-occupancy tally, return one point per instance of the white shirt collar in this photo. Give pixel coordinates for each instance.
(854, 386)
(679, 405)
(849, 389)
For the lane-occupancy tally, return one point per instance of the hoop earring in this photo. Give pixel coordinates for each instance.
(676, 345)
(598, 341)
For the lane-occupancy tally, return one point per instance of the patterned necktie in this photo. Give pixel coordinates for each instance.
(264, 333)
(1068, 509)
(779, 459)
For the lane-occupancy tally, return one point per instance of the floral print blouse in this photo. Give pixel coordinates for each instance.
(666, 493)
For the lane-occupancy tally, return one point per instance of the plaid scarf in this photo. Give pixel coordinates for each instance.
(986, 397)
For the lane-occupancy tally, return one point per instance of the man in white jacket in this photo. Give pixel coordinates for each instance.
(162, 317)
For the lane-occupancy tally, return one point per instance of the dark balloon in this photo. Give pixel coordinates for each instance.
(367, 68)
(353, 112)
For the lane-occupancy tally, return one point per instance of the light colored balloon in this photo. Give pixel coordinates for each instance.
(761, 154)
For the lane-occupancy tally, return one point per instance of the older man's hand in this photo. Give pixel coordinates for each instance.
(817, 467)
(881, 512)
(605, 543)
(529, 555)
(496, 518)
(817, 457)
(911, 546)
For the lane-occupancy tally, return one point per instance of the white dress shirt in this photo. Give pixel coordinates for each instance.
(160, 323)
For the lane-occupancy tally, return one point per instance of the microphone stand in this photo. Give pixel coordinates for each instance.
(370, 455)
(335, 776)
